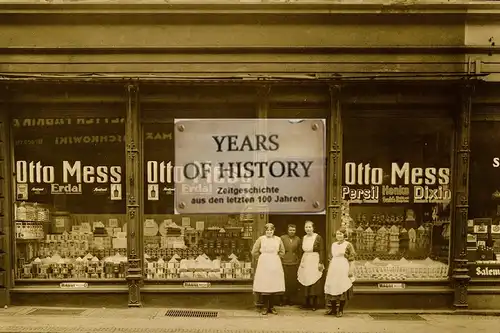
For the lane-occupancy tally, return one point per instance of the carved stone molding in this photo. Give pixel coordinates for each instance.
(460, 299)
(131, 212)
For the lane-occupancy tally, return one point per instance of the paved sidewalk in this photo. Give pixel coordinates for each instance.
(153, 320)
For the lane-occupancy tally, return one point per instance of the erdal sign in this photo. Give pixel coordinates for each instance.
(238, 165)
(402, 183)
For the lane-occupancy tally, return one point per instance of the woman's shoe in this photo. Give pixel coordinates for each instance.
(340, 314)
(313, 308)
(273, 311)
(264, 312)
(330, 312)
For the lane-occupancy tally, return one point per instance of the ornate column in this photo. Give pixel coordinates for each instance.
(460, 275)
(262, 113)
(262, 219)
(132, 132)
(6, 235)
(334, 164)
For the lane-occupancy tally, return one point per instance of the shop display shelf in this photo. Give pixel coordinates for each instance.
(29, 240)
(32, 221)
(69, 280)
(198, 280)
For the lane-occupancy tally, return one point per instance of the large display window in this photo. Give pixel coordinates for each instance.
(188, 247)
(299, 111)
(396, 195)
(69, 207)
(483, 236)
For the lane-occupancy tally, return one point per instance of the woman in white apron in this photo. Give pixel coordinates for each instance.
(338, 284)
(311, 266)
(269, 279)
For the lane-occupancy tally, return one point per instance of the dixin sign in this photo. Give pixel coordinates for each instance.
(401, 183)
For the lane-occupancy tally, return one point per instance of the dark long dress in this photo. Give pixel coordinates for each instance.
(293, 249)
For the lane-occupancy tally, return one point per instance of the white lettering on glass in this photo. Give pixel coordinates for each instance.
(90, 174)
(159, 172)
(419, 176)
(34, 172)
(487, 271)
(362, 174)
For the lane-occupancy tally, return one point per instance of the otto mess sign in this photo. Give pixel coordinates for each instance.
(250, 165)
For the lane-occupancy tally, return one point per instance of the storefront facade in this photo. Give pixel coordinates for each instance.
(89, 148)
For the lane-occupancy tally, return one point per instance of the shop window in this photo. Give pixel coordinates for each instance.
(69, 197)
(187, 247)
(297, 112)
(483, 236)
(396, 196)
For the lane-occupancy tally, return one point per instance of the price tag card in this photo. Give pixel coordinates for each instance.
(85, 228)
(113, 223)
(200, 225)
(186, 222)
(60, 222)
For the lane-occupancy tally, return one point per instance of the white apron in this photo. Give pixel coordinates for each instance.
(337, 279)
(308, 273)
(269, 275)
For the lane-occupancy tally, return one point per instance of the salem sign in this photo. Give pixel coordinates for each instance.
(484, 270)
(250, 165)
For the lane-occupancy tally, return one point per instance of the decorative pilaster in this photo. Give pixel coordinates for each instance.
(334, 165)
(132, 132)
(263, 93)
(460, 275)
(5, 200)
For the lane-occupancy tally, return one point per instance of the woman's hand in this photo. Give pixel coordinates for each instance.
(351, 271)
(321, 267)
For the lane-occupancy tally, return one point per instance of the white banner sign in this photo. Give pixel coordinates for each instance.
(250, 165)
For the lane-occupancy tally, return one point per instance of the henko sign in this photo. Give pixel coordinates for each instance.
(238, 165)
